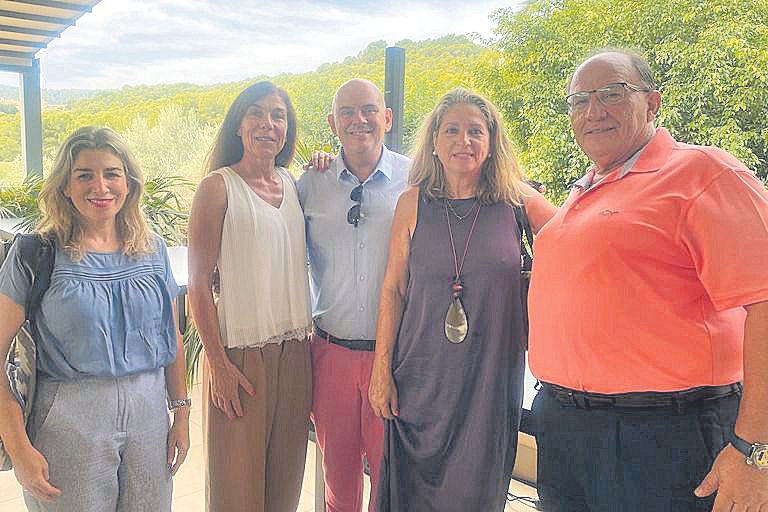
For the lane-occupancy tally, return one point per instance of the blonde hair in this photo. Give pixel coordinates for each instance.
(500, 176)
(63, 221)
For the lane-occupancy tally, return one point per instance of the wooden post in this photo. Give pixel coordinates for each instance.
(32, 120)
(394, 93)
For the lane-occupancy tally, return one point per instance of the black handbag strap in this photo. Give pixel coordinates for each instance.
(37, 255)
(526, 233)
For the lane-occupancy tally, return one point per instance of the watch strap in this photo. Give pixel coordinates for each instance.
(182, 402)
(740, 444)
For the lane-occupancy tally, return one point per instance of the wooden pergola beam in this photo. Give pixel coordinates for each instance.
(28, 31)
(57, 5)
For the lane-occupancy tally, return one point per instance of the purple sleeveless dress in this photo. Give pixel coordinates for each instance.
(453, 446)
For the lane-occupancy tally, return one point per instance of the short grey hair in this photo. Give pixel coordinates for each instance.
(639, 64)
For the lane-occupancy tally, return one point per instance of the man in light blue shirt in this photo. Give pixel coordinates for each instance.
(348, 211)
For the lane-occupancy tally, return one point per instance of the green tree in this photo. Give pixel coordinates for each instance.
(176, 143)
(10, 136)
(710, 58)
(154, 117)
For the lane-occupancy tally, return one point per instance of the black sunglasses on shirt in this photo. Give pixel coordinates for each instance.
(353, 215)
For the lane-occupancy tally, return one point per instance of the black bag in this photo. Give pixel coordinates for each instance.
(37, 256)
(526, 263)
(5, 246)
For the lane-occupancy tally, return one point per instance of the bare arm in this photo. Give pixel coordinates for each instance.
(31, 468)
(174, 373)
(11, 418)
(735, 481)
(752, 423)
(178, 437)
(206, 222)
(538, 207)
(381, 392)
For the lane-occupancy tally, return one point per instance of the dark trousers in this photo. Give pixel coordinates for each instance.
(626, 460)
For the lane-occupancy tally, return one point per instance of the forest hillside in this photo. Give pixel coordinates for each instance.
(710, 58)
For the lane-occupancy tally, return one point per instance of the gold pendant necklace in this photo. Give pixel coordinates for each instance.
(460, 218)
(456, 323)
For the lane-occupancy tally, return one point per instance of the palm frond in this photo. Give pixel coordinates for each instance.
(164, 207)
(193, 348)
(21, 201)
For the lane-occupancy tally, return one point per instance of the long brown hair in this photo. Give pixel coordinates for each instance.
(228, 147)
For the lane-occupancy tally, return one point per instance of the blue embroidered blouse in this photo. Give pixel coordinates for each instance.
(107, 315)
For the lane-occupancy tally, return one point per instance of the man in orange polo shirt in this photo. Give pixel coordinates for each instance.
(648, 309)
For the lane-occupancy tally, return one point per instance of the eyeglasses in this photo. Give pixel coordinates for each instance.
(611, 94)
(353, 215)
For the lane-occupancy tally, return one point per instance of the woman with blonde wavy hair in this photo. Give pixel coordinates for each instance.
(449, 364)
(109, 356)
(61, 218)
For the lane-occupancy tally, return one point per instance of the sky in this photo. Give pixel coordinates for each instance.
(132, 42)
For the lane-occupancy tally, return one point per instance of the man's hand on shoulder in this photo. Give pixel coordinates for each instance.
(320, 160)
(739, 486)
(537, 185)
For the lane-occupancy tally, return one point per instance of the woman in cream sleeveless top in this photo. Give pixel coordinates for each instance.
(247, 223)
(273, 258)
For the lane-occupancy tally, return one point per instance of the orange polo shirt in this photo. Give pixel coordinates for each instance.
(639, 281)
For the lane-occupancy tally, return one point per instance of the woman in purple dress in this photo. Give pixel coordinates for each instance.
(448, 372)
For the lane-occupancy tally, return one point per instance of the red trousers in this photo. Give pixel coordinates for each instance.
(346, 428)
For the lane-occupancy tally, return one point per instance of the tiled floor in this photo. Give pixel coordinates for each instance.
(188, 495)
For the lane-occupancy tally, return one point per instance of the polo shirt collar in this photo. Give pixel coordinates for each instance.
(383, 166)
(655, 153)
(649, 158)
(584, 181)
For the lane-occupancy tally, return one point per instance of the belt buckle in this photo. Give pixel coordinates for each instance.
(579, 400)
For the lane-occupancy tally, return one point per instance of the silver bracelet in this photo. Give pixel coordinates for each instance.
(175, 404)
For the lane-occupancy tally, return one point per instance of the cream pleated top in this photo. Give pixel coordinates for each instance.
(264, 295)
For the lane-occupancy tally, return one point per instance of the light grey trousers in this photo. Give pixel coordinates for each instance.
(105, 442)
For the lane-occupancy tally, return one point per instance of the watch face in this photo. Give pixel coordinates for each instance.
(760, 456)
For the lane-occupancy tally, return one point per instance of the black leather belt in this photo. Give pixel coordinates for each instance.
(644, 400)
(364, 345)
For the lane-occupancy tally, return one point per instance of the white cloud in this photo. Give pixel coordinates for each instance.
(129, 42)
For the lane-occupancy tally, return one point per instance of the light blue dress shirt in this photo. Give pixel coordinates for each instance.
(347, 263)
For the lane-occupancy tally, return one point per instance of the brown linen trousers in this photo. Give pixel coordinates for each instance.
(256, 463)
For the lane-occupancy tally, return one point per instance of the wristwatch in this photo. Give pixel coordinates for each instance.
(182, 402)
(756, 453)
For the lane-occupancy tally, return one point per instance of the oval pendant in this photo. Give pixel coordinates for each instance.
(456, 322)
